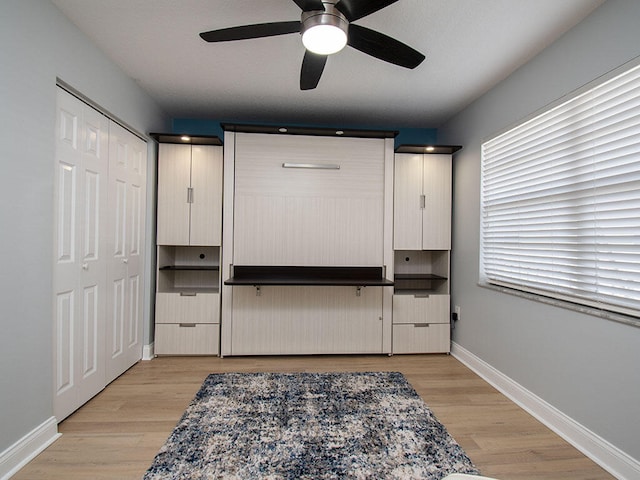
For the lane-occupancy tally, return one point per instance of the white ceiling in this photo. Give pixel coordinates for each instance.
(470, 46)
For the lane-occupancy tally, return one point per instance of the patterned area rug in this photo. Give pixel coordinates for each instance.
(308, 426)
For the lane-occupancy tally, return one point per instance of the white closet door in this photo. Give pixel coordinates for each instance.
(174, 178)
(436, 228)
(79, 264)
(127, 172)
(206, 206)
(407, 207)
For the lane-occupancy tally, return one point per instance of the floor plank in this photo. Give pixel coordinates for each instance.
(117, 434)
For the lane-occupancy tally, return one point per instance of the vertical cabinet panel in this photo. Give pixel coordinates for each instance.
(174, 179)
(436, 216)
(206, 195)
(407, 206)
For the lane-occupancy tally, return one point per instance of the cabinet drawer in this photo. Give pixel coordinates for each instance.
(421, 309)
(421, 338)
(177, 308)
(186, 339)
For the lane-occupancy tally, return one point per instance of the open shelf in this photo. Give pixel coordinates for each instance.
(188, 269)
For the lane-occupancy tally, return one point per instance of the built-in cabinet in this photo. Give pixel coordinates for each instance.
(189, 194)
(187, 314)
(332, 244)
(422, 243)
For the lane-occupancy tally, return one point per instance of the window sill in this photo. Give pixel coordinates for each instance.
(614, 317)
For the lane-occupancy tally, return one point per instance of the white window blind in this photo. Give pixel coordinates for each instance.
(561, 200)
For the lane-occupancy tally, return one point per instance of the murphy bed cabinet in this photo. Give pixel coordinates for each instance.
(422, 248)
(189, 224)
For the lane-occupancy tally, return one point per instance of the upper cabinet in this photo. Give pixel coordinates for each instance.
(189, 194)
(422, 201)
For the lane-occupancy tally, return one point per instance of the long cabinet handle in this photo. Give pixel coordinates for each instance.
(317, 166)
(423, 201)
(189, 195)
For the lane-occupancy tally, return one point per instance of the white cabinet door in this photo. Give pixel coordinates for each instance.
(189, 195)
(125, 261)
(206, 196)
(79, 283)
(407, 205)
(174, 180)
(436, 215)
(422, 202)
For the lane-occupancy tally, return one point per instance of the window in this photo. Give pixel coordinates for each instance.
(561, 200)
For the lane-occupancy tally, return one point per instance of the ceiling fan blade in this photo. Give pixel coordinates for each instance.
(312, 67)
(356, 9)
(383, 47)
(257, 30)
(309, 5)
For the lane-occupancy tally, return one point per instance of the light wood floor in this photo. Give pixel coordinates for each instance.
(117, 434)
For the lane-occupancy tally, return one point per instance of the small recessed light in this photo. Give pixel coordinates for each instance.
(185, 138)
(339, 132)
(282, 130)
(429, 149)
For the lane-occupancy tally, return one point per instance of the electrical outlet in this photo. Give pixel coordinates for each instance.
(456, 310)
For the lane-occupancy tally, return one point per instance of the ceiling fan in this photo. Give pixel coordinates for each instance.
(326, 27)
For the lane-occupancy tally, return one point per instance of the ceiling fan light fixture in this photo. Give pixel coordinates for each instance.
(324, 32)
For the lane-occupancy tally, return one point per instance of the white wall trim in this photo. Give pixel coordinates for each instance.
(148, 351)
(24, 450)
(608, 456)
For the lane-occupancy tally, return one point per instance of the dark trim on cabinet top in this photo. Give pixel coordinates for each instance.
(312, 131)
(252, 275)
(428, 149)
(192, 139)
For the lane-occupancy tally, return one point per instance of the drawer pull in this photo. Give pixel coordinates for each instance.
(420, 325)
(187, 294)
(421, 295)
(187, 325)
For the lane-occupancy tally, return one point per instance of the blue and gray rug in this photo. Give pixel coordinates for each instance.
(308, 426)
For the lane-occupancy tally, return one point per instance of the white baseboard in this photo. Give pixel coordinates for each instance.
(148, 351)
(608, 456)
(24, 450)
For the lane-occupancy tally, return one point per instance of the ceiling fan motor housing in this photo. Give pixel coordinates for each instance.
(328, 19)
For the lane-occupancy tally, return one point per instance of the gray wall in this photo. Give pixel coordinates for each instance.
(587, 367)
(38, 44)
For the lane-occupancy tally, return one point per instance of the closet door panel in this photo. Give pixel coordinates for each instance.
(79, 265)
(407, 210)
(206, 206)
(174, 178)
(127, 170)
(330, 214)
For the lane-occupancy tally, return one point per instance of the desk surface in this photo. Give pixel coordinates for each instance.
(307, 276)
